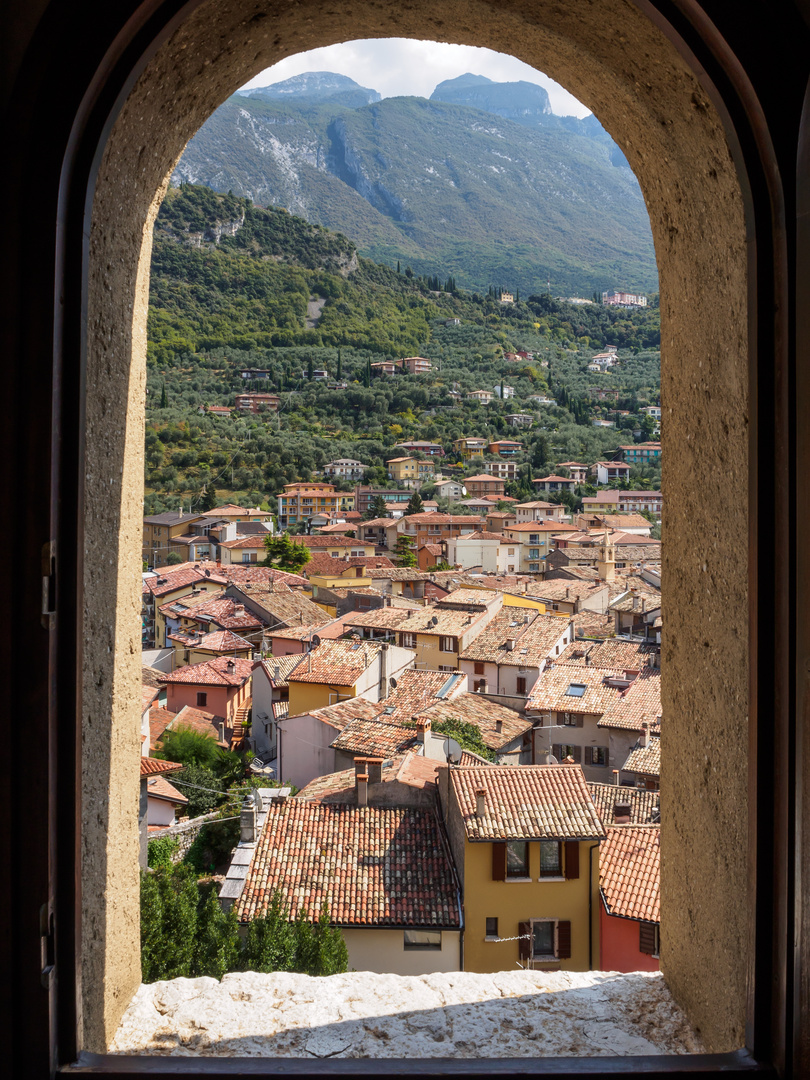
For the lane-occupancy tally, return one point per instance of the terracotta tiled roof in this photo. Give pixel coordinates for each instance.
(650, 599)
(435, 518)
(339, 786)
(259, 575)
(223, 610)
(339, 715)
(148, 695)
(419, 689)
(232, 510)
(485, 715)
(557, 690)
(281, 664)
(336, 663)
(645, 759)
(322, 562)
(325, 631)
(373, 866)
(375, 738)
(629, 871)
(370, 562)
(590, 624)
(252, 542)
(639, 704)
(527, 802)
(567, 591)
(158, 788)
(397, 573)
(150, 676)
(223, 641)
(476, 598)
(376, 523)
(469, 758)
(534, 635)
(614, 654)
(285, 605)
(419, 620)
(204, 723)
(159, 720)
(172, 580)
(546, 525)
(217, 672)
(643, 804)
(329, 541)
(154, 766)
(342, 528)
(281, 710)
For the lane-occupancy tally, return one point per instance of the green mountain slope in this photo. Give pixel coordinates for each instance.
(442, 187)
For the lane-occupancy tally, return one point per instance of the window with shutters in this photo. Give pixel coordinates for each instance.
(550, 858)
(478, 669)
(564, 750)
(597, 755)
(571, 719)
(407, 641)
(447, 644)
(649, 938)
(202, 700)
(544, 940)
(517, 859)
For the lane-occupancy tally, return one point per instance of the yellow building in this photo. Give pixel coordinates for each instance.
(470, 448)
(402, 469)
(160, 529)
(300, 501)
(522, 837)
(197, 648)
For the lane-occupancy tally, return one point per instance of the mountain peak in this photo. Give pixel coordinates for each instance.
(512, 100)
(317, 86)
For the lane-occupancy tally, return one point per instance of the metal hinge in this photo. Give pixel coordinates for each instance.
(48, 583)
(46, 946)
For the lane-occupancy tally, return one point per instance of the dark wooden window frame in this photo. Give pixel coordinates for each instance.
(779, 584)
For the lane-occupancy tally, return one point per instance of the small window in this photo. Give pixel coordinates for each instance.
(550, 858)
(202, 700)
(517, 859)
(492, 927)
(599, 755)
(569, 719)
(521, 685)
(576, 690)
(407, 641)
(479, 669)
(447, 644)
(422, 940)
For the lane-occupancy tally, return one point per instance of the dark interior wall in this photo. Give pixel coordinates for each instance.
(680, 133)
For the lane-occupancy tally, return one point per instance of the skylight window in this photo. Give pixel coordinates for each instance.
(576, 689)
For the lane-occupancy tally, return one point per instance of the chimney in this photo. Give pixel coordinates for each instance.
(616, 777)
(247, 821)
(510, 644)
(230, 665)
(645, 734)
(277, 673)
(361, 787)
(635, 603)
(480, 802)
(622, 813)
(422, 728)
(567, 592)
(499, 727)
(239, 609)
(221, 726)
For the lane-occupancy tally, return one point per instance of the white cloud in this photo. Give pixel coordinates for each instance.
(402, 66)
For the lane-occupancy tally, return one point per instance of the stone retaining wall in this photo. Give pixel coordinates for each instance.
(185, 833)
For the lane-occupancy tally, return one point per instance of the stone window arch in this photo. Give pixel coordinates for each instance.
(694, 143)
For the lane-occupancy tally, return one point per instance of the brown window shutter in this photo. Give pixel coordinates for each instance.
(571, 859)
(556, 751)
(577, 754)
(524, 941)
(589, 755)
(499, 862)
(607, 755)
(580, 721)
(564, 940)
(646, 938)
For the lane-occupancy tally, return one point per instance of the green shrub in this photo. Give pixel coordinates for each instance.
(160, 851)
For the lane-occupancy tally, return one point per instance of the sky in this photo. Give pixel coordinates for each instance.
(401, 66)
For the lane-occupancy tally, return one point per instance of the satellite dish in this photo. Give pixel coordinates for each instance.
(552, 760)
(434, 621)
(392, 683)
(316, 640)
(452, 751)
(463, 490)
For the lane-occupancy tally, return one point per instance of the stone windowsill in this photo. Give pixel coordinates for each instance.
(365, 1015)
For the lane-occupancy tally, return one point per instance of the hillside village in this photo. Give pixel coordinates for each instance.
(450, 721)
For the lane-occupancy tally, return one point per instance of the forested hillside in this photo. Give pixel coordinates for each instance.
(235, 287)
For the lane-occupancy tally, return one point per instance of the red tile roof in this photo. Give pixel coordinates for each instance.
(322, 562)
(534, 636)
(629, 872)
(329, 541)
(614, 654)
(411, 769)
(256, 541)
(638, 705)
(485, 715)
(336, 663)
(339, 715)
(527, 802)
(159, 720)
(154, 766)
(205, 723)
(643, 804)
(373, 866)
(217, 672)
(645, 759)
(158, 788)
(223, 641)
(375, 738)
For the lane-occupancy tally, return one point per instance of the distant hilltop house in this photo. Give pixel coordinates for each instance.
(577, 300)
(415, 365)
(257, 402)
(520, 419)
(484, 396)
(507, 298)
(623, 299)
(345, 467)
(508, 391)
(255, 373)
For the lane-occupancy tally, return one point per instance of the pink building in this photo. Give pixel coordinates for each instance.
(219, 686)
(629, 887)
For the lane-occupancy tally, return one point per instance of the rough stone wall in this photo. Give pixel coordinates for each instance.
(185, 834)
(622, 67)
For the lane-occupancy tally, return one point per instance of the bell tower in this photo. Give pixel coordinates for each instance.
(607, 558)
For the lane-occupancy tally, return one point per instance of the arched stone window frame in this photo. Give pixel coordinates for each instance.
(673, 93)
